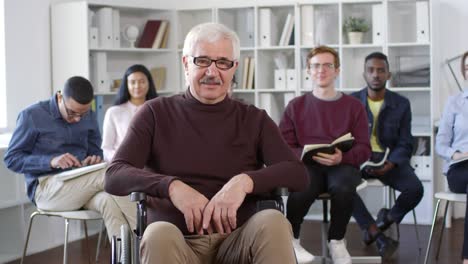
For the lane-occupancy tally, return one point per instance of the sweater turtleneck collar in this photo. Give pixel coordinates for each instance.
(218, 107)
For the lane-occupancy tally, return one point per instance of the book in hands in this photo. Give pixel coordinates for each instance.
(371, 165)
(77, 172)
(343, 143)
(454, 162)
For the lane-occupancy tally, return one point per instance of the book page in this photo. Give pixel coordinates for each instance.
(453, 162)
(73, 173)
(345, 137)
(376, 165)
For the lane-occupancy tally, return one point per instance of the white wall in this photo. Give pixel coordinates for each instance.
(27, 46)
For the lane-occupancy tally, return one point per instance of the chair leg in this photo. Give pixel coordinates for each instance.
(416, 230)
(442, 229)
(436, 211)
(325, 222)
(99, 241)
(65, 244)
(88, 251)
(31, 218)
(393, 192)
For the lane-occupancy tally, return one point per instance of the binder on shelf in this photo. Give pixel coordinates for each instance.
(287, 30)
(160, 34)
(104, 22)
(422, 21)
(249, 26)
(287, 98)
(266, 27)
(100, 76)
(149, 34)
(422, 166)
(159, 77)
(93, 37)
(280, 79)
(291, 79)
(100, 111)
(251, 74)
(245, 72)
(307, 25)
(116, 28)
(306, 81)
(269, 104)
(165, 38)
(377, 24)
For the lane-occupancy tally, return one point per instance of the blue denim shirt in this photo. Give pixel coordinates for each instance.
(393, 125)
(41, 134)
(453, 128)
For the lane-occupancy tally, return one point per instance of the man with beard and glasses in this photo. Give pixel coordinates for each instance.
(205, 160)
(389, 116)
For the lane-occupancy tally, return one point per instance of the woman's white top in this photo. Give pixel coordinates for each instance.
(116, 122)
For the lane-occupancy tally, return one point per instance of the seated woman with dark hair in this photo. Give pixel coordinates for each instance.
(137, 86)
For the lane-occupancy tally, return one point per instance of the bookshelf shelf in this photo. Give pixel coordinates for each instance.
(132, 50)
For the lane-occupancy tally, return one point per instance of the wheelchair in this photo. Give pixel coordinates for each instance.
(125, 249)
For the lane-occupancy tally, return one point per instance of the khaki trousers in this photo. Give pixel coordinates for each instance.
(86, 191)
(265, 238)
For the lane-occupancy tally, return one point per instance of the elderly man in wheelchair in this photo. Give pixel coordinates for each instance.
(205, 161)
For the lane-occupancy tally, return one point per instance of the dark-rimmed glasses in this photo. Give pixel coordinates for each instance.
(71, 113)
(222, 64)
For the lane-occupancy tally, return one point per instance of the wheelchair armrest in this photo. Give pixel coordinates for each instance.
(141, 217)
(137, 196)
(273, 200)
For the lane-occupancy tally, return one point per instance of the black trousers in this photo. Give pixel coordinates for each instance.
(340, 182)
(401, 178)
(457, 178)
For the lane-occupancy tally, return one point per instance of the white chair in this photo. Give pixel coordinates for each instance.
(67, 216)
(448, 197)
(325, 258)
(390, 201)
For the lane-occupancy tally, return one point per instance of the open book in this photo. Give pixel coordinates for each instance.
(343, 143)
(375, 165)
(453, 162)
(73, 173)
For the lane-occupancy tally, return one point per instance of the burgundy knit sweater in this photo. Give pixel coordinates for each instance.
(309, 120)
(204, 146)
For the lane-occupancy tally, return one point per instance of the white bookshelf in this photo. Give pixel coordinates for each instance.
(394, 31)
(397, 38)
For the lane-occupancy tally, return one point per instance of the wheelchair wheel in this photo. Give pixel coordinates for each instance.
(125, 245)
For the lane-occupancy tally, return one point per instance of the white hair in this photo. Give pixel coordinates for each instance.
(210, 32)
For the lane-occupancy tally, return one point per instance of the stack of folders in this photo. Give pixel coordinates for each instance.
(107, 28)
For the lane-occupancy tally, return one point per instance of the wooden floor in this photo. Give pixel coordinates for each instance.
(409, 251)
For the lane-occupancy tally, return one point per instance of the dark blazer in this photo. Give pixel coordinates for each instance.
(393, 125)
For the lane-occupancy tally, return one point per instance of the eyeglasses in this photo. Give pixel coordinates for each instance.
(327, 66)
(222, 64)
(71, 113)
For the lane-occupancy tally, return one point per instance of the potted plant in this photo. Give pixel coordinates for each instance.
(355, 27)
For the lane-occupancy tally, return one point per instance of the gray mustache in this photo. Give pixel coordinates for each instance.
(211, 80)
